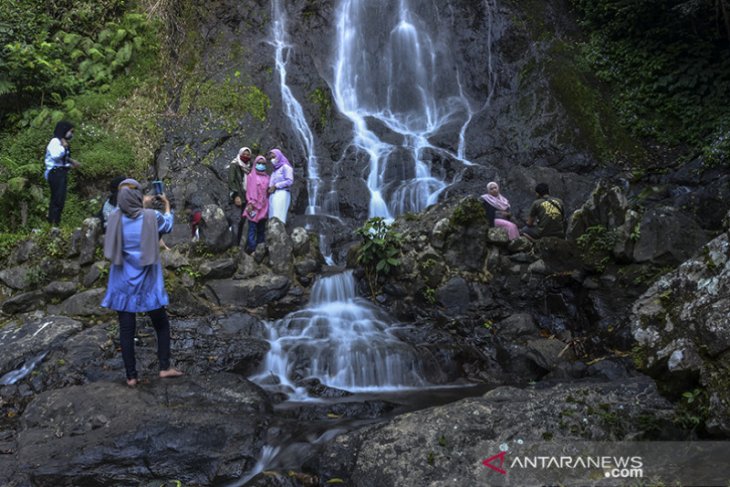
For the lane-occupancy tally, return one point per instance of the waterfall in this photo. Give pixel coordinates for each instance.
(15, 375)
(293, 108)
(341, 340)
(395, 66)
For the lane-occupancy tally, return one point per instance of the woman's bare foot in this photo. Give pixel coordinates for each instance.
(132, 382)
(170, 373)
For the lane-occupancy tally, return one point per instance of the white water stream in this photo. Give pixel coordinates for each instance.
(394, 65)
(395, 78)
(341, 340)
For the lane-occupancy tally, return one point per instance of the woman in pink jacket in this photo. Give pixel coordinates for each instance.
(257, 204)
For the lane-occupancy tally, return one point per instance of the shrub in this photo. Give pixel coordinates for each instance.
(379, 251)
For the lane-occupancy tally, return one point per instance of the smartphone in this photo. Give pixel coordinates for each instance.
(158, 188)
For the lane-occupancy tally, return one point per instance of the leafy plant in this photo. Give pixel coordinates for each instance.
(596, 245)
(429, 294)
(667, 63)
(379, 251)
(8, 241)
(693, 408)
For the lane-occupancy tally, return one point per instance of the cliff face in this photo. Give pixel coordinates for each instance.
(423, 103)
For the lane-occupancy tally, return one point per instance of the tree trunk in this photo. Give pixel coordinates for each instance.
(23, 213)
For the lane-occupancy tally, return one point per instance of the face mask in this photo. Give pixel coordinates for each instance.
(69, 135)
(245, 158)
(273, 160)
(261, 167)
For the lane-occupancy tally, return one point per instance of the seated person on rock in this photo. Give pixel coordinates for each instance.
(498, 210)
(547, 216)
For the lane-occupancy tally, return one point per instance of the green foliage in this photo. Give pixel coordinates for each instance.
(596, 245)
(75, 73)
(469, 211)
(668, 63)
(693, 408)
(52, 67)
(576, 89)
(429, 294)
(379, 251)
(323, 99)
(189, 271)
(103, 150)
(8, 241)
(36, 276)
(227, 102)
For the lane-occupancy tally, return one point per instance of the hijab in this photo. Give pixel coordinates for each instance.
(280, 159)
(258, 182)
(62, 129)
(114, 189)
(129, 203)
(499, 202)
(246, 166)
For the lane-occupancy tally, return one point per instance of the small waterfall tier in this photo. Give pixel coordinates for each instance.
(341, 340)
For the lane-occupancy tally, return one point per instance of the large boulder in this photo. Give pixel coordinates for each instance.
(459, 436)
(606, 206)
(21, 340)
(667, 236)
(21, 302)
(18, 277)
(86, 303)
(169, 430)
(215, 229)
(682, 326)
(249, 293)
(280, 247)
(465, 245)
(91, 229)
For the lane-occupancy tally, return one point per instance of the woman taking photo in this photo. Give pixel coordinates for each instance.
(136, 281)
(58, 161)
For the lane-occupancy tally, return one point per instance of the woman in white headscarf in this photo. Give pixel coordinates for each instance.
(136, 281)
(238, 169)
(498, 210)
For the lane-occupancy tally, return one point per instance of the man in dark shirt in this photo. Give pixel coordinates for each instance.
(547, 216)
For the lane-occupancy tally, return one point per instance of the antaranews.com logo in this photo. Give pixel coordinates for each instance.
(613, 467)
(610, 463)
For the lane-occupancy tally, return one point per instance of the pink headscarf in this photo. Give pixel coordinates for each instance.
(257, 195)
(280, 159)
(499, 202)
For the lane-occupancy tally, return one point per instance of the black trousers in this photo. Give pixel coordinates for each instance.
(57, 180)
(127, 328)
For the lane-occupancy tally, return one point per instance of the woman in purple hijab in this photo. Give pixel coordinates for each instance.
(280, 185)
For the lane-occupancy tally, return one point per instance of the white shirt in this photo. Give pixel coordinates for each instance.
(55, 156)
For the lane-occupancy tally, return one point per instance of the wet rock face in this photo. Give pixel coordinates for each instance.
(667, 236)
(20, 341)
(108, 433)
(516, 117)
(682, 326)
(460, 435)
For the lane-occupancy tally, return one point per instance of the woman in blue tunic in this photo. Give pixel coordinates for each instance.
(136, 283)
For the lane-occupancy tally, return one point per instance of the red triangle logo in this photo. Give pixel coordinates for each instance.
(500, 456)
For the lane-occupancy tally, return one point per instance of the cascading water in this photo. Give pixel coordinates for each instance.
(293, 108)
(15, 375)
(341, 340)
(391, 67)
